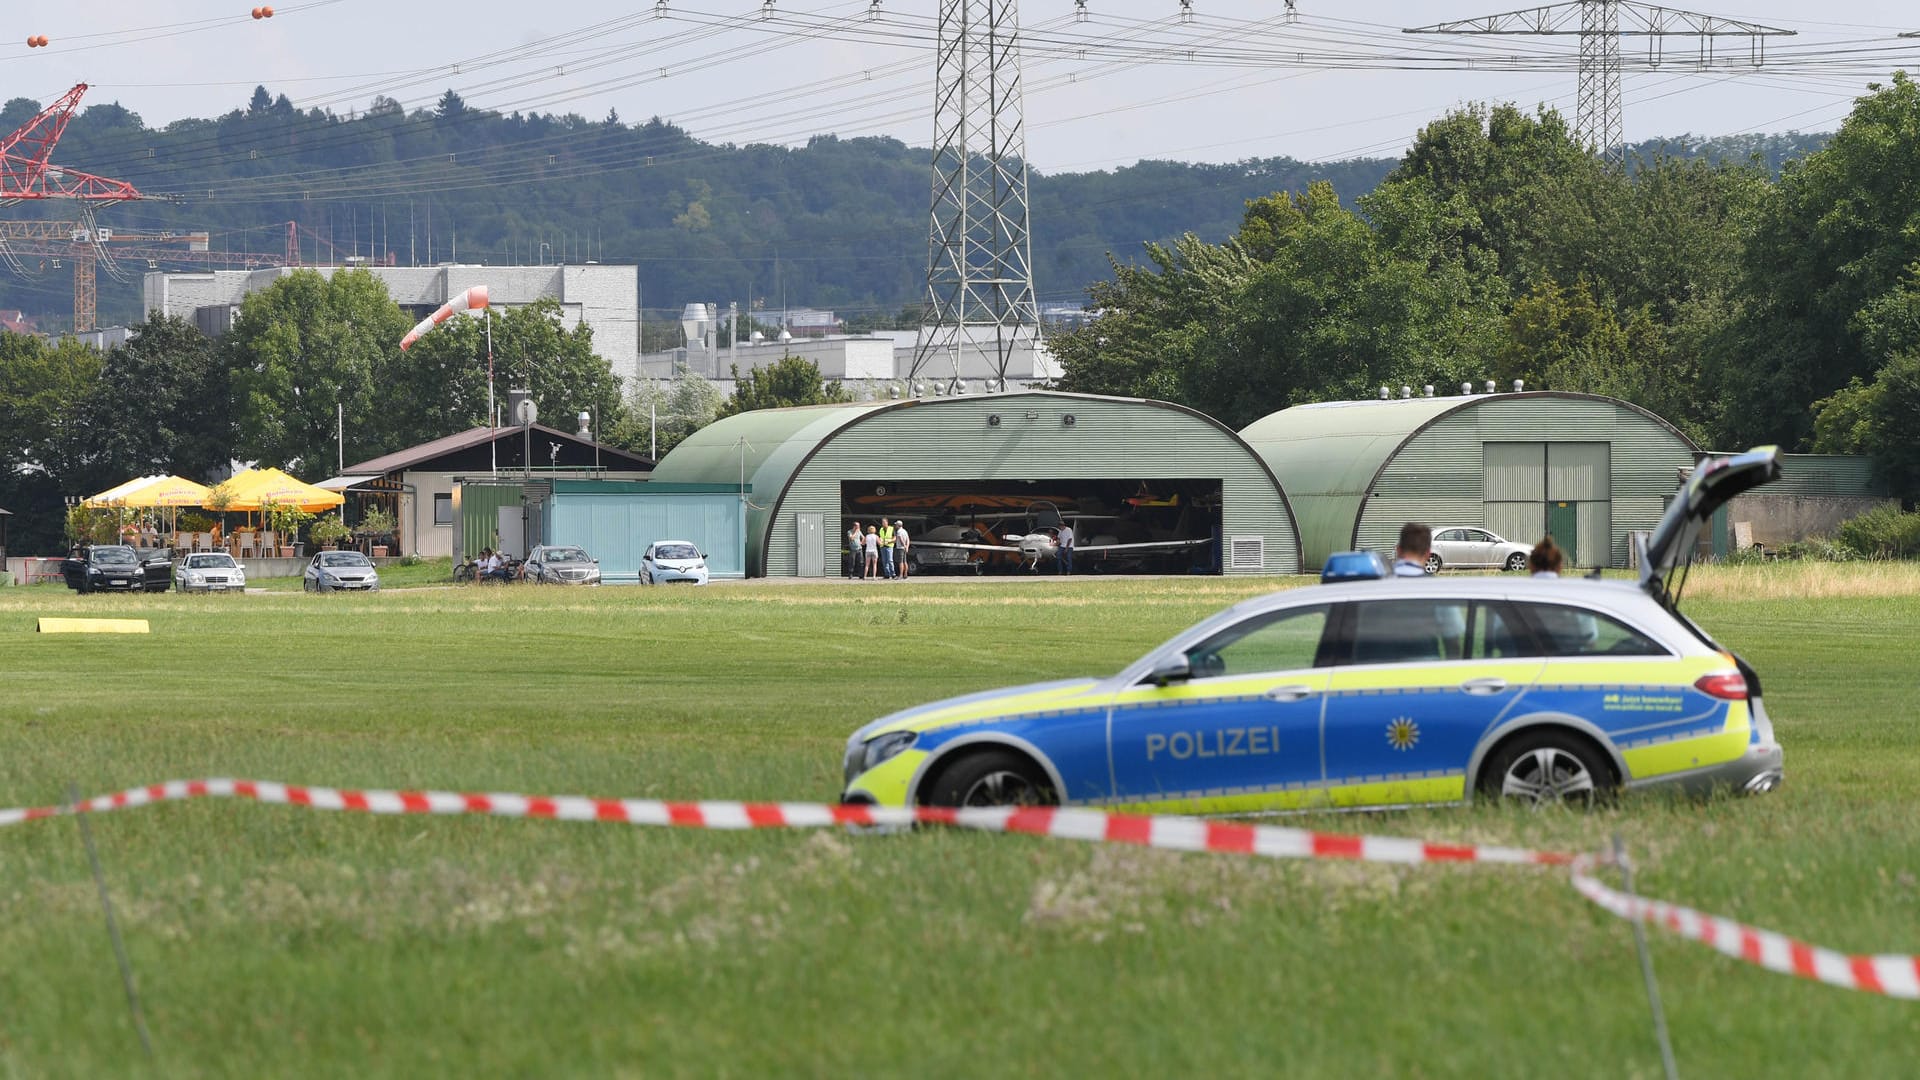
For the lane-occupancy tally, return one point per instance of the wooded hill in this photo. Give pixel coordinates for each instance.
(837, 223)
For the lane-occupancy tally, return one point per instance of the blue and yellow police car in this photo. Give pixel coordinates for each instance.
(1371, 692)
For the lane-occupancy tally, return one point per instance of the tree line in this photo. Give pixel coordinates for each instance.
(835, 223)
(1745, 308)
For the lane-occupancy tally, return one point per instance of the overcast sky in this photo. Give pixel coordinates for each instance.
(729, 75)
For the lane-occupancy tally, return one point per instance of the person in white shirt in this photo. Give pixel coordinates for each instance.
(900, 545)
(1064, 554)
(873, 552)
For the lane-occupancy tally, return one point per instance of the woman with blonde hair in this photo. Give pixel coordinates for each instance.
(1545, 559)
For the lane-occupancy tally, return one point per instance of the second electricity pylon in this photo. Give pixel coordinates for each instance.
(979, 258)
(1601, 24)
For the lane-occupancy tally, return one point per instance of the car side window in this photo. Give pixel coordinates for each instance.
(1276, 641)
(1571, 631)
(1448, 534)
(1499, 632)
(1404, 631)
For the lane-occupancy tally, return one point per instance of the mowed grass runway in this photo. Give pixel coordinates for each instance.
(277, 941)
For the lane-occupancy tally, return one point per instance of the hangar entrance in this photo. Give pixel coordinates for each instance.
(1180, 518)
(1561, 488)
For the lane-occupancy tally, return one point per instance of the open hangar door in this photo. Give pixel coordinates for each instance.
(1120, 526)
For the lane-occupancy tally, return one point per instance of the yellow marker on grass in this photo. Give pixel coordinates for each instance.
(93, 626)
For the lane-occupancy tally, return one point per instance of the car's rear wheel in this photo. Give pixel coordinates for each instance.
(1546, 768)
(1433, 564)
(1516, 561)
(991, 778)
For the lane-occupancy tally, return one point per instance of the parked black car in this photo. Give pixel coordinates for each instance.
(116, 568)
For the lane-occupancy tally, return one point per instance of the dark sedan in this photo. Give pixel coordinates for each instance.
(116, 568)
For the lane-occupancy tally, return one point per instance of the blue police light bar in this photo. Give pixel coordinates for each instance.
(1354, 566)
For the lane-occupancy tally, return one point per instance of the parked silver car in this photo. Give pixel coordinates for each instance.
(210, 571)
(328, 571)
(560, 564)
(1474, 548)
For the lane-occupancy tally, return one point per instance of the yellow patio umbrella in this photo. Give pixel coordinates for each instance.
(117, 495)
(256, 487)
(168, 491)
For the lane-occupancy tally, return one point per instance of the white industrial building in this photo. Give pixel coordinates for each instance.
(606, 298)
(860, 360)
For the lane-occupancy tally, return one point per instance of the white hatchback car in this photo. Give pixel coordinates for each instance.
(673, 562)
(1475, 548)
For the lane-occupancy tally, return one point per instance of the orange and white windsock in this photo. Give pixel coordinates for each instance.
(472, 300)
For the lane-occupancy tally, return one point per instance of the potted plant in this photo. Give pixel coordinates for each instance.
(329, 531)
(220, 498)
(376, 527)
(285, 519)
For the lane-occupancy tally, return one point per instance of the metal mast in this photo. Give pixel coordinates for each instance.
(979, 258)
(1600, 25)
(1597, 120)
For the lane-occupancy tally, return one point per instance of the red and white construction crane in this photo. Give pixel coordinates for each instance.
(28, 174)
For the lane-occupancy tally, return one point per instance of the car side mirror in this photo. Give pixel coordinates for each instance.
(702, 554)
(1172, 669)
(241, 566)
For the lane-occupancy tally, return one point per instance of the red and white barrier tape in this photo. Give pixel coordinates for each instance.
(1174, 833)
(1891, 974)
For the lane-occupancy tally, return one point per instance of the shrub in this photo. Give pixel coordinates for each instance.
(411, 559)
(1818, 549)
(1883, 532)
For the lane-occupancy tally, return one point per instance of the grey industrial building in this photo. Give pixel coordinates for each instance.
(869, 364)
(1152, 467)
(1590, 470)
(606, 298)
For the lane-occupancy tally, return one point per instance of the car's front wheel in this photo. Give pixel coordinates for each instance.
(991, 778)
(1548, 767)
(1516, 561)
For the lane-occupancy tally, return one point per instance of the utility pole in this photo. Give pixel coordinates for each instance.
(979, 256)
(1600, 24)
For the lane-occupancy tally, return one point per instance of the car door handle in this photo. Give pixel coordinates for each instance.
(1484, 686)
(1289, 693)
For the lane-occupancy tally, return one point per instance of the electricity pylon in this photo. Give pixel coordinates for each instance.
(979, 257)
(1601, 24)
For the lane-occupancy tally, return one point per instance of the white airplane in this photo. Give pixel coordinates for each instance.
(1042, 541)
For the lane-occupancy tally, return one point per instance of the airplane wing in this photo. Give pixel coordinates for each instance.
(1155, 545)
(1004, 549)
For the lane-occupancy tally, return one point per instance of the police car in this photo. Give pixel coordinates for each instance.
(1373, 692)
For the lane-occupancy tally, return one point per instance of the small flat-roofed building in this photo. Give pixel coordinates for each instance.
(419, 482)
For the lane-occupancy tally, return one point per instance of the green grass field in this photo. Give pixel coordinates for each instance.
(276, 941)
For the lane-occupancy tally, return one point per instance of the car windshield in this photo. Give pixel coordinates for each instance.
(113, 556)
(343, 558)
(566, 555)
(676, 551)
(206, 562)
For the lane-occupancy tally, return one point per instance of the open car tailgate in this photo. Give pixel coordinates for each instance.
(1714, 482)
